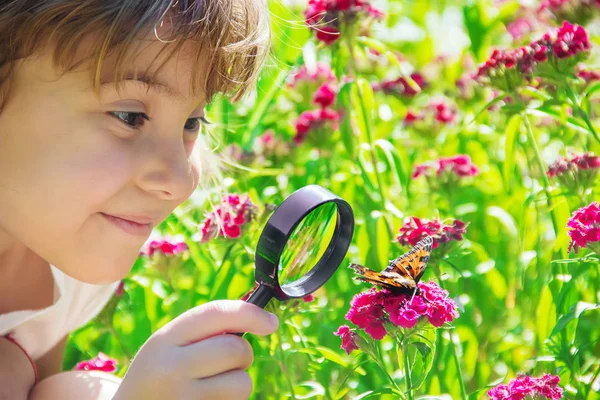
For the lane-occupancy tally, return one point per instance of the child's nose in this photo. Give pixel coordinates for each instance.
(167, 171)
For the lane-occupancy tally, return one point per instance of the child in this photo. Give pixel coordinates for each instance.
(101, 103)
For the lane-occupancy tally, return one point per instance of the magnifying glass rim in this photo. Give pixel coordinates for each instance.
(274, 240)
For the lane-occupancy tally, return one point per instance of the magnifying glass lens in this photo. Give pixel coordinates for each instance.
(307, 243)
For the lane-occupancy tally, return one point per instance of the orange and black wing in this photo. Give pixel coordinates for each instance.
(401, 274)
(392, 281)
(413, 263)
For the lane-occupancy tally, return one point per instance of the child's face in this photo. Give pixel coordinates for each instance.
(65, 160)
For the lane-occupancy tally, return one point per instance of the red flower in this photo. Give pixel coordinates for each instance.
(321, 74)
(165, 247)
(585, 228)
(324, 96)
(522, 386)
(310, 120)
(400, 86)
(366, 312)
(589, 75)
(348, 338)
(100, 363)
(414, 229)
(576, 172)
(369, 310)
(228, 218)
(324, 16)
(327, 34)
(569, 40)
(459, 165)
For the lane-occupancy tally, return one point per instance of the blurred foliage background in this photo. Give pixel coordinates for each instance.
(528, 305)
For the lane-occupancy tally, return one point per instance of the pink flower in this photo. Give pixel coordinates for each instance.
(321, 74)
(348, 338)
(439, 111)
(313, 119)
(366, 312)
(165, 247)
(584, 228)
(324, 16)
(120, 288)
(569, 40)
(228, 218)
(509, 69)
(576, 172)
(522, 386)
(309, 298)
(414, 229)
(324, 96)
(369, 310)
(400, 86)
(100, 363)
(459, 165)
(589, 75)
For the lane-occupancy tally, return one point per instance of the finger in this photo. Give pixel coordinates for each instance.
(232, 385)
(214, 356)
(217, 317)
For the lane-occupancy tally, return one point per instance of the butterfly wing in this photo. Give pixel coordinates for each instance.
(403, 273)
(391, 281)
(413, 263)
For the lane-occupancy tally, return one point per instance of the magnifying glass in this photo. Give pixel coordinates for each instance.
(303, 243)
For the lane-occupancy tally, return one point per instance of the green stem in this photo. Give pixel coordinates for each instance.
(407, 378)
(579, 111)
(284, 370)
(540, 161)
(463, 390)
(461, 380)
(368, 133)
(375, 354)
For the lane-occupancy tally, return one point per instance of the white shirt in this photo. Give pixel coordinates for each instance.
(75, 303)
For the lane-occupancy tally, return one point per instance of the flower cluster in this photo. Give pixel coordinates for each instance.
(320, 74)
(325, 17)
(588, 75)
(370, 310)
(228, 218)
(520, 387)
(310, 120)
(400, 86)
(270, 146)
(584, 228)
(459, 166)
(414, 229)
(438, 111)
(99, 363)
(163, 246)
(508, 69)
(577, 172)
(578, 11)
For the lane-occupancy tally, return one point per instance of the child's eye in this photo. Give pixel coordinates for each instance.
(131, 119)
(193, 124)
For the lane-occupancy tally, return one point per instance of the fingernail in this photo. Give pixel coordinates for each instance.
(274, 319)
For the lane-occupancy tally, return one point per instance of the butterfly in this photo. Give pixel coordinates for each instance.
(403, 273)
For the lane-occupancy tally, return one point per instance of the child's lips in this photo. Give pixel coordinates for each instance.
(129, 226)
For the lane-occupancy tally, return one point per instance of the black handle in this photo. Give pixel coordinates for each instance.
(260, 297)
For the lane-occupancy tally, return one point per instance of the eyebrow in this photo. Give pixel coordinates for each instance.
(150, 82)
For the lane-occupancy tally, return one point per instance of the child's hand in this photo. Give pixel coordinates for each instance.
(190, 358)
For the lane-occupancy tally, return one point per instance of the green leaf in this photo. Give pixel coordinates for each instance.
(573, 313)
(346, 130)
(545, 315)
(510, 137)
